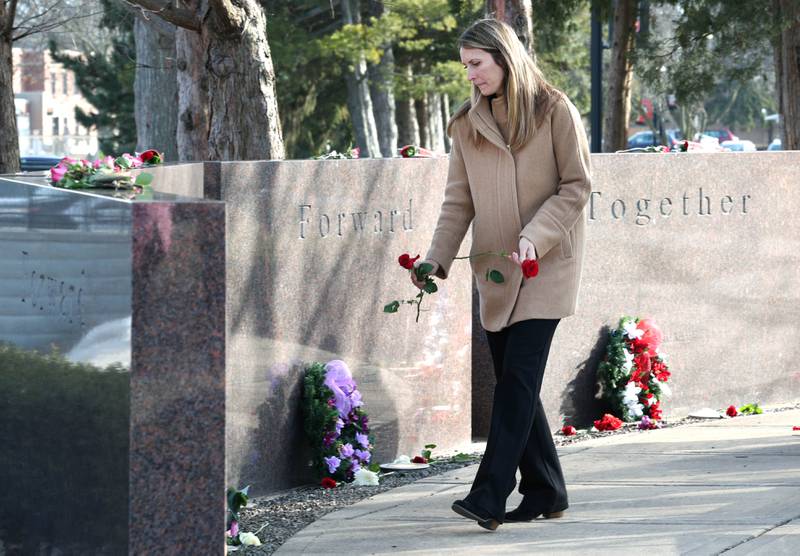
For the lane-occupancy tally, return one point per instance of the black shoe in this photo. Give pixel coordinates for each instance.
(463, 508)
(523, 513)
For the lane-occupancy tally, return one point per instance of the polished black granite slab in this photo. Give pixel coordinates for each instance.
(112, 382)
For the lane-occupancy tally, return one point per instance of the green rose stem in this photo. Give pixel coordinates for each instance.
(422, 273)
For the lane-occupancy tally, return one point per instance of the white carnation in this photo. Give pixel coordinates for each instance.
(365, 477)
(249, 539)
(631, 331)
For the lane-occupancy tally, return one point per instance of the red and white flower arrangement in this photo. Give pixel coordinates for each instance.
(634, 374)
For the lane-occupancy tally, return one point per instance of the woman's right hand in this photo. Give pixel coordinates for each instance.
(413, 273)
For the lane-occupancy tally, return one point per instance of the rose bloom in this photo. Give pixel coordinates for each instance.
(327, 482)
(406, 261)
(568, 430)
(150, 156)
(419, 459)
(58, 172)
(530, 268)
(731, 411)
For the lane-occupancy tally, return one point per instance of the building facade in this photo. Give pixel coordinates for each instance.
(46, 97)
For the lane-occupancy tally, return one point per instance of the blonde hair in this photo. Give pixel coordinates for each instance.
(527, 92)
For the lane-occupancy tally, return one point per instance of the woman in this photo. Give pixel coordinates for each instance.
(519, 173)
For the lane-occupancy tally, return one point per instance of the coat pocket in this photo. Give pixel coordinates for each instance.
(567, 243)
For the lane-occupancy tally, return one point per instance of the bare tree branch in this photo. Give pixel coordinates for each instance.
(11, 13)
(177, 16)
(26, 31)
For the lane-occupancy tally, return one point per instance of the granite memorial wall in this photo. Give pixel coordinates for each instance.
(112, 378)
(311, 261)
(707, 244)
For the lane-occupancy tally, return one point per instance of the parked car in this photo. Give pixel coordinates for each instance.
(645, 139)
(740, 145)
(38, 163)
(776, 145)
(723, 134)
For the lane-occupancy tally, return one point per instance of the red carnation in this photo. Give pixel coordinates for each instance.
(419, 459)
(731, 411)
(568, 430)
(530, 268)
(608, 423)
(642, 362)
(327, 482)
(655, 411)
(406, 261)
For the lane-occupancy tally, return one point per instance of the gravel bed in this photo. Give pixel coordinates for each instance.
(276, 518)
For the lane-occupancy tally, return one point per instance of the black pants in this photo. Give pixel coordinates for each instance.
(519, 435)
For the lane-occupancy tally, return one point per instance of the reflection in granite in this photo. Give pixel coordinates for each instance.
(178, 379)
(73, 423)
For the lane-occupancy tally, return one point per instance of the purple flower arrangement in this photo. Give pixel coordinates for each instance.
(335, 423)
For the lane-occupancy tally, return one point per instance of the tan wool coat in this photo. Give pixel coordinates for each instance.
(538, 192)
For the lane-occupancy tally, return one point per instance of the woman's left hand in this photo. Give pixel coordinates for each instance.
(526, 251)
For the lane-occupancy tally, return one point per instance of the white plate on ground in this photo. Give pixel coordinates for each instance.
(404, 466)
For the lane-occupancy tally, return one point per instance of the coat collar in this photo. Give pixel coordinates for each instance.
(480, 116)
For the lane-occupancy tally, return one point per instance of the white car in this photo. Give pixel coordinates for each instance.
(741, 145)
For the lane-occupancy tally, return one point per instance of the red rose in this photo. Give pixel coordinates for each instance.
(406, 261)
(731, 411)
(530, 268)
(608, 423)
(796, 428)
(568, 430)
(655, 411)
(327, 482)
(419, 459)
(151, 156)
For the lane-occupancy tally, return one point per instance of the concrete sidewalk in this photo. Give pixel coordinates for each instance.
(730, 486)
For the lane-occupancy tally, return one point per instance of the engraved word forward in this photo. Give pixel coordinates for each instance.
(315, 222)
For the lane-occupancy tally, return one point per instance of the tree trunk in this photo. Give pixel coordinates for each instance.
(407, 125)
(788, 79)
(243, 122)
(9, 138)
(382, 92)
(192, 81)
(620, 75)
(155, 87)
(518, 14)
(359, 102)
(433, 105)
(445, 119)
(421, 111)
(381, 88)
